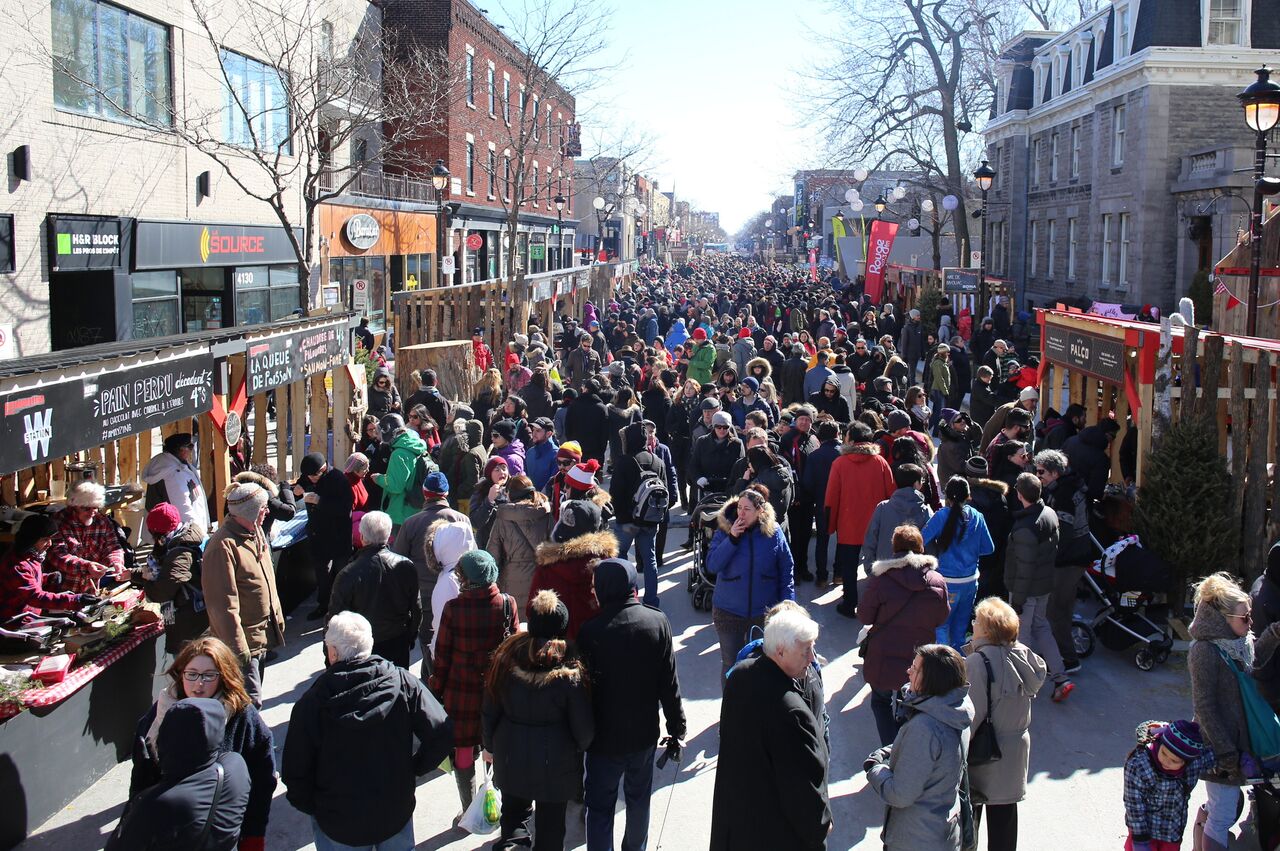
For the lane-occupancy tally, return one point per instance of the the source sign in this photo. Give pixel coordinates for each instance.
(1098, 356)
(58, 419)
(179, 245)
(276, 361)
(363, 231)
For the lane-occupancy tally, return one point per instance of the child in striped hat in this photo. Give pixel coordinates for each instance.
(1158, 778)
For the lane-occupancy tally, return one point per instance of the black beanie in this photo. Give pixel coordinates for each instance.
(311, 464)
(33, 528)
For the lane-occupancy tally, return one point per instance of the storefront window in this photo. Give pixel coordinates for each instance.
(347, 270)
(522, 252)
(203, 293)
(491, 248)
(285, 291)
(155, 304)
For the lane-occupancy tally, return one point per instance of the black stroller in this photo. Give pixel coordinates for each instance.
(1125, 581)
(703, 527)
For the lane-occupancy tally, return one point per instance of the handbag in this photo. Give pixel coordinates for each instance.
(485, 810)
(866, 639)
(1264, 727)
(983, 746)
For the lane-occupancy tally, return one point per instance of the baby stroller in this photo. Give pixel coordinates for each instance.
(704, 524)
(1124, 582)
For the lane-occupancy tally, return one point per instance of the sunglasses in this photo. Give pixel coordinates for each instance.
(564, 462)
(719, 427)
(1247, 616)
(1040, 471)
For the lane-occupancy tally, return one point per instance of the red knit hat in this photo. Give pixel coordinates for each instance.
(163, 519)
(744, 333)
(699, 333)
(494, 462)
(582, 477)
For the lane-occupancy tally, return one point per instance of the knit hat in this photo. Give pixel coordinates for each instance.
(615, 580)
(699, 333)
(976, 466)
(1029, 393)
(751, 383)
(451, 542)
(312, 463)
(1183, 738)
(948, 415)
(711, 403)
(570, 449)
(33, 528)
(492, 464)
(582, 477)
(805, 411)
(463, 412)
(744, 333)
(721, 418)
(478, 568)
(163, 519)
(435, 485)
(548, 616)
(357, 463)
(506, 429)
(246, 499)
(897, 419)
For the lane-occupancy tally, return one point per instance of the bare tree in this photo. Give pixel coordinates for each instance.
(296, 111)
(617, 156)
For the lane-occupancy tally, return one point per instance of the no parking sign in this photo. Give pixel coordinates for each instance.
(360, 300)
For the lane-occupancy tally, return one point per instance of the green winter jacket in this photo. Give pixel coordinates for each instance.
(700, 365)
(405, 450)
(941, 375)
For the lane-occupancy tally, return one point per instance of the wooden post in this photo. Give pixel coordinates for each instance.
(1210, 379)
(1239, 428)
(1161, 412)
(282, 432)
(260, 428)
(298, 430)
(342, 413)
(1255, 497)
(1190, 356)
(320, 417)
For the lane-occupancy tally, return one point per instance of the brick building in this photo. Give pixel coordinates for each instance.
(1113, 147)
(508, 139)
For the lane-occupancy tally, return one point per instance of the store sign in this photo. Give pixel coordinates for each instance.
(181, 245)
(84, 243)
(286, 358)
(363, 231)
(53, 421)
(537, 252)
(960, 281)
(1098, 356)
(474, 242)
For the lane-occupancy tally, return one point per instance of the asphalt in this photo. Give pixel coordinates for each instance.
(1074, 796)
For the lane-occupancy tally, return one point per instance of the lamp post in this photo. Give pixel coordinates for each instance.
(880, 203)
(559, 201)
(603, 212)
(440, 181)
(984, 176)
(1261, 102)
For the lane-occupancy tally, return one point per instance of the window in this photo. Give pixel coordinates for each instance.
(471, 79)
(1122, 33)
(1053, 158)
(1077, 66)
(548, 125)
(1035, 163)
(471, 168)
(155, 304)
(1108, 249)
(535, 122)
(110, 63)
(1039, 92)
(326, 39)
(493, 171)
(359, 151)
(521, 106)
(1075, 151)
(1034, 250)
(533, 176)
(255, 109)
(265, 293)
(1053, 237)
(1226, 21)
(492, 93)
(1071, 249)
(506, 177)
(1122, 275)
(506, 98)
(1117, 135)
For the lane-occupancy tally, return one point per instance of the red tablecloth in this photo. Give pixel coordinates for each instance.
(81, 674)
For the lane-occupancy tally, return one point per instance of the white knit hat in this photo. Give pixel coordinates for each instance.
(246, 499)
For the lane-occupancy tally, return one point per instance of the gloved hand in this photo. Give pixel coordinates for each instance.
(252, 843)
(702, 481)
(84, 600)
(1250, 767)
(674, 750)
(870, 763)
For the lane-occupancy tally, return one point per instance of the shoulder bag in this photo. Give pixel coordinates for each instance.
(983, 745)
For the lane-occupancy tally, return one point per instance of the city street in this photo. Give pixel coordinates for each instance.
(1078, 748)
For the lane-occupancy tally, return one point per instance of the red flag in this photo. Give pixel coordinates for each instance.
(878, 248)
(1233, 302)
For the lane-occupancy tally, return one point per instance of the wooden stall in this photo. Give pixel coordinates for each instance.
(1231, 293)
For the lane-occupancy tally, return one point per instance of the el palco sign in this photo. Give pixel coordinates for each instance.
(362, 231)
(1098, 356)
(276, 361)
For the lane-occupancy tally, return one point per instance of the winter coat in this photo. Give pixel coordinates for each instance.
(1066, 497)
(848, 385)
(1032, 553)
(752, 572)
(383, 402)
(627, 470)
(702, 362)
(771, 781)
(472, 626)
(517, 530)
(921, 777)
(567, 569)
(1215, 696)
(513, 454)
(714, 459)
(382, 586)
(329, 519)
(860, 479)
(792, 379)
(395, 483)
(245, 734)
(540, 462)
(629, 657)
(537, 729)
(239, 585)
(739, 410)
(580, 365)
(1017, 675)
(1156, 803)
(954, 449)
(982, 404)
(743, 351)
(463, 463)
(959, 562)
(171, 815)
(815, 378)
(940, 373)
(619, 419)
(1087, 453)
(172, 480)
(961, 373)
(437, 406)
(588, 423)
(761, 366)
(816, 472)
(1266, 613)
(22, 587)
(359, 737)
(905, 602)
(906, 506)
(911, 343)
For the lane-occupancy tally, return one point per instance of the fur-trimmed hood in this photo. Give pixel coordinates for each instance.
(728, 513)
(269, 486)
(592, 545)
(915, 561)
(859, 449)
(541, 678)
(759, 363)
(990, 484)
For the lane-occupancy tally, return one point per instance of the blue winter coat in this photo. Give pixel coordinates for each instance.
(648, 330)
(973, 540)
(540, 462)
(754, 572)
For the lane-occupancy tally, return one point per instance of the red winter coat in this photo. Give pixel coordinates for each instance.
(860, 479)
(905, 602)
(471, 628)
(566, 569)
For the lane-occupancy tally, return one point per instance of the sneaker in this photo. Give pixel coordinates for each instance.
(1063, 690)
(1070, 666)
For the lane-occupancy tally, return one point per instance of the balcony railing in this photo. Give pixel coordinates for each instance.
(377, 184)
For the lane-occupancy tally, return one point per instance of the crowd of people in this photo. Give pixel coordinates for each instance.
(516, 538)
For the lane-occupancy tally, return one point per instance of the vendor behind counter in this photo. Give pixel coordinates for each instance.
(22, 576)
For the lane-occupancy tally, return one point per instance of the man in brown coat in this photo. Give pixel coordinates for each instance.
(239, 584)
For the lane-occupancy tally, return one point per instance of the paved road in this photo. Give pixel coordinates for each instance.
(1078, 748)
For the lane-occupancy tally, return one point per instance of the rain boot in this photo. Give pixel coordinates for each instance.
(1197, 830)
(466, 780)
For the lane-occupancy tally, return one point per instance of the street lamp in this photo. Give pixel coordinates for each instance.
(559, 201)
(1261, 102)
(880, 203)
(984, 176)
(440, 181)
(603, 212)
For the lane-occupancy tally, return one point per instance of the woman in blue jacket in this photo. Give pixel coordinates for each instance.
(752, 563)
(960, 537)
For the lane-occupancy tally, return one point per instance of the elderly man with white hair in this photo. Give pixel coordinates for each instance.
(358, 740)
(87, 546)
(239, 584)
(772, 750)
(383, 587)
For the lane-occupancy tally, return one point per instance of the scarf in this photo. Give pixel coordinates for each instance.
(1239, 649)
(167, 697)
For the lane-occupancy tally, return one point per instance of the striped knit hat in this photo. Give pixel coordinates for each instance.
(582, 476)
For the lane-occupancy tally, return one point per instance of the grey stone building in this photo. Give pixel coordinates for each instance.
(1114, 145)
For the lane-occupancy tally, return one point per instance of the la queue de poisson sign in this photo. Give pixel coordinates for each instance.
(286, 358)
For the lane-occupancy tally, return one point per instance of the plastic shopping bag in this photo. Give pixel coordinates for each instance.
(486, 808)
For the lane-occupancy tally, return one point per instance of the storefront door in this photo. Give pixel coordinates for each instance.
(206, 296)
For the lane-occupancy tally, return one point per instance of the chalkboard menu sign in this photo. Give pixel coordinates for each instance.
(286, 358)
(58, 419)
(1098, 356)
(959, 281)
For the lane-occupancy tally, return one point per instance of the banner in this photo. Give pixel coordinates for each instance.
(878, 248)
(838, 233)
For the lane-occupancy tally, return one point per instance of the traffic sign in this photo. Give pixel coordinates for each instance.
(474, 242)
(360, 299)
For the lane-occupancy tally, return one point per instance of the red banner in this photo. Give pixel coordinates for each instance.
(878, 248)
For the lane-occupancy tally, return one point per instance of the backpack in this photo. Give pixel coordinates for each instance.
(651, 499)
(422, 467)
